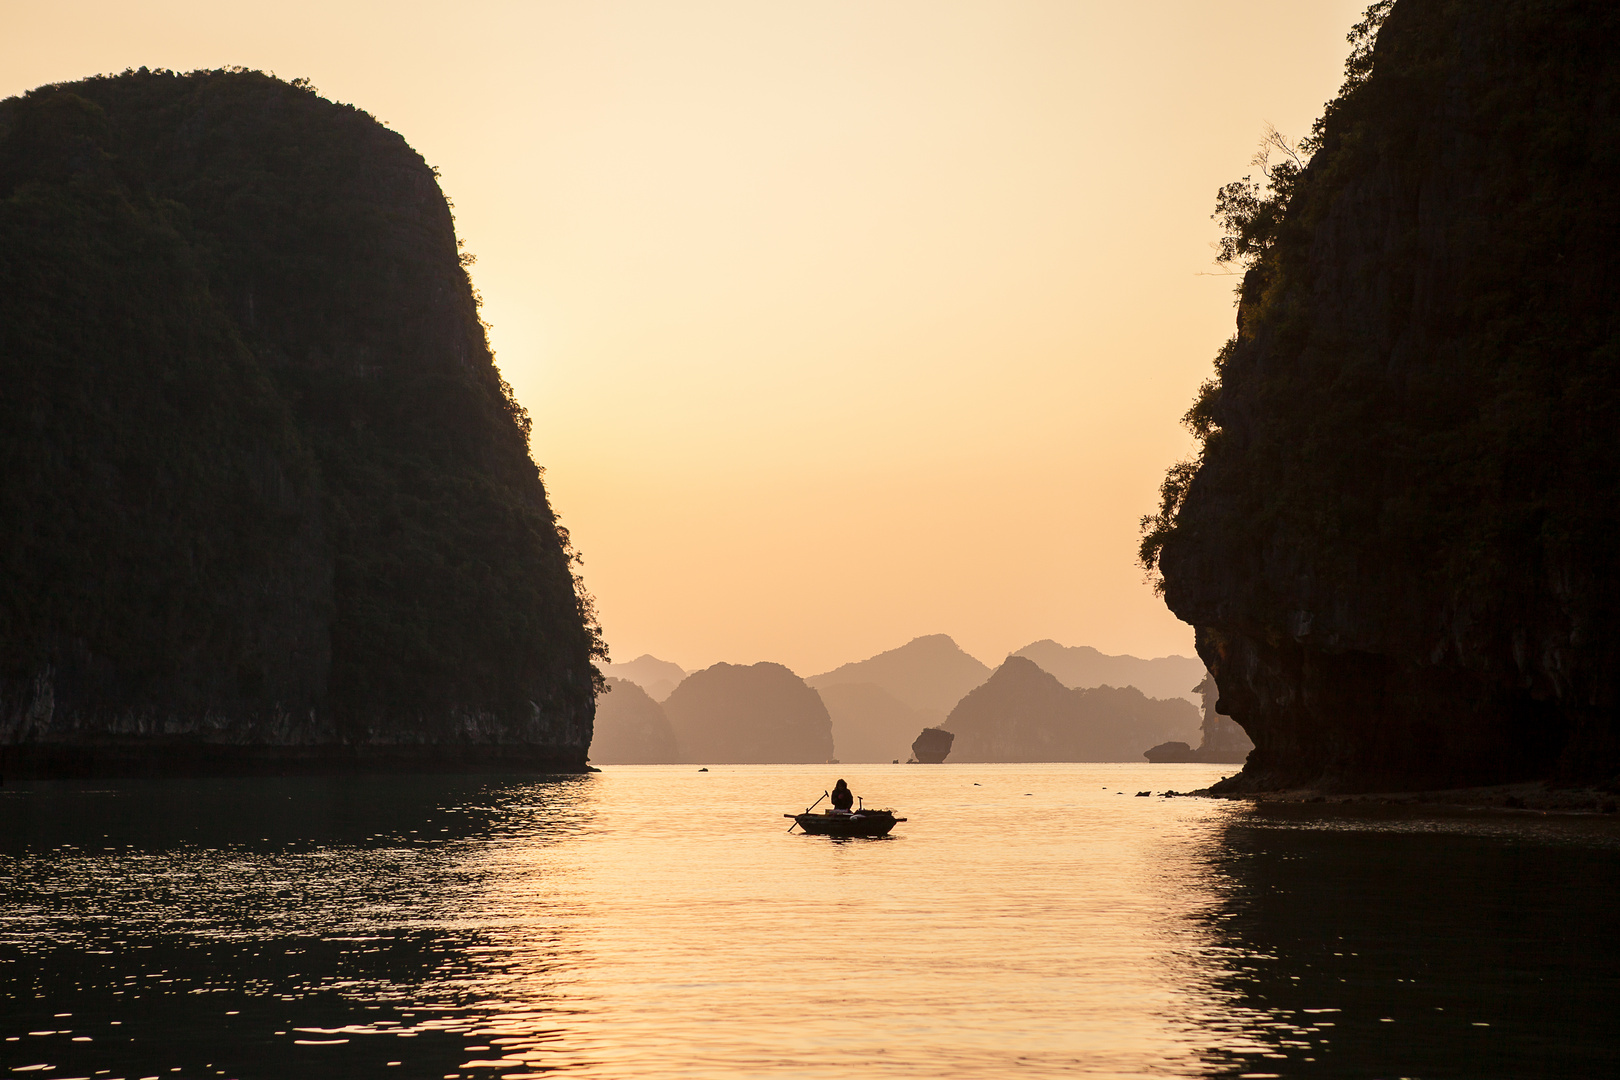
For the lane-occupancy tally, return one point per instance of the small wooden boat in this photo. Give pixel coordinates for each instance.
(846, 823)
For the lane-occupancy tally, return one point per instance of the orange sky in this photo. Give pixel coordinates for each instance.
(840, 322)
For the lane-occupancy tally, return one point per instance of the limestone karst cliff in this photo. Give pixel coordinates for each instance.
(931, 747)
(1398, 545)
(1023, 713)
(749, 714)
(266, 500)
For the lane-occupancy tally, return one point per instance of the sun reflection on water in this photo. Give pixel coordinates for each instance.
(656, 922)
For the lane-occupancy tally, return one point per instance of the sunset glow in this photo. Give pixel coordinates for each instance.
(839, 323)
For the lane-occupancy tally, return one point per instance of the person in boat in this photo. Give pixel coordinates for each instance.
(842, 797)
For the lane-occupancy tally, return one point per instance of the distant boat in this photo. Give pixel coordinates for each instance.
(846, 823)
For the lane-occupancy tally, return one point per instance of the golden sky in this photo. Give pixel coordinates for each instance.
(841, 322)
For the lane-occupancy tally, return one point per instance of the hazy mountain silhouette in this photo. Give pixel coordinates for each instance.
(1023, 713)
(869, 723)
(657, 677)
(929, 674)
(631, 728)
(1082, 666)
(762, 713)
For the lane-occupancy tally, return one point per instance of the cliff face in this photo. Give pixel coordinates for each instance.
(756, 714)
(1022, 713)
(1398, 548)
(261, 483)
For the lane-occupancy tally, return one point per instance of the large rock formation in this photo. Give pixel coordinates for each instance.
(631, 728)
(1081, 665)
(931, 747)
(1022, 713)
(1398, 548)
(267, 501)
(760, 714)
(929, 674)
(869, 723)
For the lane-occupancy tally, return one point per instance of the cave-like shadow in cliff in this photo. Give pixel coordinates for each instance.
(1368, 941)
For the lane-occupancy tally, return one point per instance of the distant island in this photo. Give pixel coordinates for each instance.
(878, 706)
(1222, 741)
(631, 728)
(268, 503)
(755, 714)
(1397, 541)
(931, 747)
(1023, 713)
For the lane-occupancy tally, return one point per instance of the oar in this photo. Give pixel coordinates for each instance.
(807, 809)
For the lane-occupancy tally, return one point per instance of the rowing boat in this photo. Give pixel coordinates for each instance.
(847, 823)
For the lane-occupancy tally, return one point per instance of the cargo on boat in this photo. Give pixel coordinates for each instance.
(846, 822)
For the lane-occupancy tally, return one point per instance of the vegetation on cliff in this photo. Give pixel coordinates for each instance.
(260, 478)
(1397, 540)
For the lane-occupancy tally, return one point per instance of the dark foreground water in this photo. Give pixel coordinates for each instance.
(659, 922)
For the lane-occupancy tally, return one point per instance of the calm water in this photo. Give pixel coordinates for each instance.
(660, 922)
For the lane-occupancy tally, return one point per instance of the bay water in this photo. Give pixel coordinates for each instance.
(659, 921)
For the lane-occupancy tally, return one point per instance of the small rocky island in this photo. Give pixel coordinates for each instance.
(268, 503)
(931, 747)
(1398, 542)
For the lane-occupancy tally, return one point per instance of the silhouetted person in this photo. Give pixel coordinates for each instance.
(842, 797)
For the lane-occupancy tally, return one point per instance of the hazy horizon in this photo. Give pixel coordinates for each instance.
(839, 325)
(989, 661)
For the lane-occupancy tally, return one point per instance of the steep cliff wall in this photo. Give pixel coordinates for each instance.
(1399, 545)
(262, 486)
